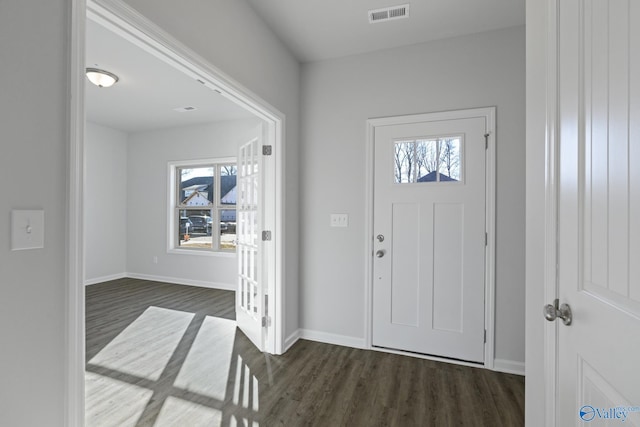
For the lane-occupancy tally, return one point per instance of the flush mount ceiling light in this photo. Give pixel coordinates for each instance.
(101, 78)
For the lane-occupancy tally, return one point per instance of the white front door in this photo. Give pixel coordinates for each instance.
(599, 213)
(430, 228)
(250, 295)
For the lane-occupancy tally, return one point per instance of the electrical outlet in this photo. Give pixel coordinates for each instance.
(339, 220)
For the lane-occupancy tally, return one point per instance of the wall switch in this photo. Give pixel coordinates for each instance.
(27, 230)
(339, 220)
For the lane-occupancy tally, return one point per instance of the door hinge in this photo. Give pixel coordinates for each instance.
(486, 239)
(266, 236)
(267, 150)
(485, 335)
(486, 141)
(266, 321)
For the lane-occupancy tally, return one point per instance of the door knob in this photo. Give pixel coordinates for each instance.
(552, 312)
(380, 253)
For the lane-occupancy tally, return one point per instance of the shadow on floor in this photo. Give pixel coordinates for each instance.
(169, 355)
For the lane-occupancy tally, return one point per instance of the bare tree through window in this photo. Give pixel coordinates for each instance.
(450, 157)
(427, 160)
(228, 170)
(404, 160)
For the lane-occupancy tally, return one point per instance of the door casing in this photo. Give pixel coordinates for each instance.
(128, 23)
(489, 114)
(541, 131)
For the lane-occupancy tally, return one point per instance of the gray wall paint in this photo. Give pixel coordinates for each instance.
(149, 154)
(230, 35)
(105, 202)
(126, 200)
(338, 97)
(33, 159)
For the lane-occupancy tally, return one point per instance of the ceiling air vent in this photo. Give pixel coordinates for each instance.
(389, 13)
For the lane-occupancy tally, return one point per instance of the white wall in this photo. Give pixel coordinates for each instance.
(338, 96)
(148, 156)
(230, 35)
(105, 203)
(33, 168)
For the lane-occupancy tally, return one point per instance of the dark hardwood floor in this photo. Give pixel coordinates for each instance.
(170, 355)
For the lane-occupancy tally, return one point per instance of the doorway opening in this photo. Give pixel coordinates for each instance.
(119, 18)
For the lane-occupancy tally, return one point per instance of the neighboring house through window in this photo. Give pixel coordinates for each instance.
(203, 205)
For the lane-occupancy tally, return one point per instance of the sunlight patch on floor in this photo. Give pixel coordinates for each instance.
(213, 384)
(242, 422)
(120, 403)
(144, 348)
(179, 412)
(246, 387)
(206, 368)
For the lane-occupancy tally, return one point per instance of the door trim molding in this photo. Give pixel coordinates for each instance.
(551, 213)
(489, 114)
(75, 292)
(127, 22)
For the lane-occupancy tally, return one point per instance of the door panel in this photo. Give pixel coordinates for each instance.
(448, 239)
(599, 200)
(429, 204)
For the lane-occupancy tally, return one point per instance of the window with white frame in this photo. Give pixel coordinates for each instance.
(203, 205)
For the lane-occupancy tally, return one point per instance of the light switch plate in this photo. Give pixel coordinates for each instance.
(27, 229)
(339, 220)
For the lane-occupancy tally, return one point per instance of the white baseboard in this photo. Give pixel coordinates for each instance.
(500, 365)
(181, 281)
(328, 338)
(89, 282)
(291, 340)
(508, 366)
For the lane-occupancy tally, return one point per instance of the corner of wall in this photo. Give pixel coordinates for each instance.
(335, 339)
(96, 280)
(291, 340)
(509, 366)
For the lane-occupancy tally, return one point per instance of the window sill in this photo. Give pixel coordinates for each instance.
(216, 254)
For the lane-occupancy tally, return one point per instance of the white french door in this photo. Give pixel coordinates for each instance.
(430, 235)
(250, 294)
(598, 377)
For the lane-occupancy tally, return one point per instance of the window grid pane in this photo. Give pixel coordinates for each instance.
(195, 228)
(449, 167)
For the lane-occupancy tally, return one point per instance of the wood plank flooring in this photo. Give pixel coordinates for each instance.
(170, 355)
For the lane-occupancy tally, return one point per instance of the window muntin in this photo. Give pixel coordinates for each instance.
(428, 160)
(204, 206)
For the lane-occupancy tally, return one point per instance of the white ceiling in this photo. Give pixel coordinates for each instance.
(321, 29)
(148, 91)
